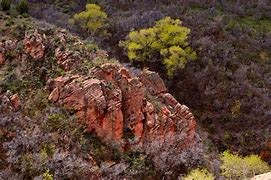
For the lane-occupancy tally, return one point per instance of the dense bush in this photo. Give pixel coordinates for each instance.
(235, 167)
(167, 41)
(93, 19)
(22, 7)
(199, 174)
(5, 4)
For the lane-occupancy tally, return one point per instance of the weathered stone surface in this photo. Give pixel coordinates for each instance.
(34, 45)
(266, 176)
(15, 101)
(153, 83)
(10, 45)
(54, 95)
(2, 59)
(64, 58)
(134, 113)
(9, 102)
(67, 59)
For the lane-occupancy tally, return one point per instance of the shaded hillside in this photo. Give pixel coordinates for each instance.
(228, 87)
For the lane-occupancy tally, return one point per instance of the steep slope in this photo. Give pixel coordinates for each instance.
(142, 128)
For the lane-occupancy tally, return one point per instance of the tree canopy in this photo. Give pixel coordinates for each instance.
(236, 167)
(93, 19)
(167, 41)
(199, 174)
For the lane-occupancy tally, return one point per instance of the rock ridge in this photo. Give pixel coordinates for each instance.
(131, 112)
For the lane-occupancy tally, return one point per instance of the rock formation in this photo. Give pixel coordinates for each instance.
(34, 45)
(9, 102)
(128, 112)
(131, 112)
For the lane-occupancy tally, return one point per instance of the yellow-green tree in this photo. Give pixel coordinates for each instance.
(93, 19)
(199, 174)
(167, 41)
(236, 167)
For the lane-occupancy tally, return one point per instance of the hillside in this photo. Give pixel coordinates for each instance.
(78, 101)
(228, 86)
(65, 106)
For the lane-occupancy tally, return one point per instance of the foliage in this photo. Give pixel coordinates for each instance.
(198, 174)
(36, 103)
(5, 4)
(22, 7)
(57, 122)
(236, 108)
(166, 41)
(47, 175)
(93, 19)
(236, 167)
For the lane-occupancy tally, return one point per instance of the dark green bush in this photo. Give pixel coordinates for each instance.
(22, 7)
(5, 4)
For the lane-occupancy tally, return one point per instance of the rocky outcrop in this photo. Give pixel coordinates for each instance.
(34, 45)
(131, 112)
(6, 46)
(66, 58)
(9, 102)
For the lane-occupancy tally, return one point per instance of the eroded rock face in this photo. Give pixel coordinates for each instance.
(9, 102)
(34, 45)
(67, 59)
(132, 112)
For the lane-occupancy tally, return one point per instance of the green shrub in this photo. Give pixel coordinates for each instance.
(93, 19)
(47, 175)
(57, 122)
(36, 103)
(199, 174)
(5, 4)
(236, 167)
(166, 42)
(22, 7)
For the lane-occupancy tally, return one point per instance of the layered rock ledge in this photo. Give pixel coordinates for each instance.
(131, 112)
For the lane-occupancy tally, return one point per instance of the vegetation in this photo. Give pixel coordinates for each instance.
(5, 4)
(47, 175)
(167, 41)
(93, 20)
(228, 85)
(199, 174)
(22, 7)
(236, 167)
